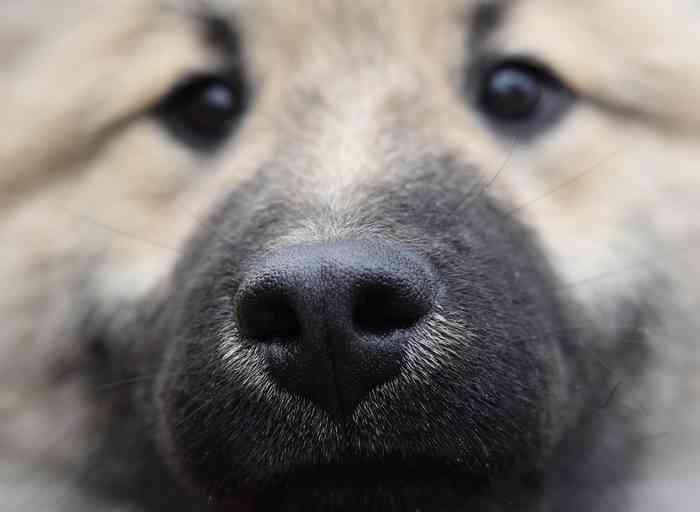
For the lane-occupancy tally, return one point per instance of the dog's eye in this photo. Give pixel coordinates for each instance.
(202, 110)
(520, 95)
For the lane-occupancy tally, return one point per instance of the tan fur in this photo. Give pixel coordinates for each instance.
(95, 197)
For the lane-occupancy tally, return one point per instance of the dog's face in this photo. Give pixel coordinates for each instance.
(354, 254)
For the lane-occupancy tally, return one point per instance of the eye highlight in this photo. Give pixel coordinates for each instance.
(521, 96)
(202, 110)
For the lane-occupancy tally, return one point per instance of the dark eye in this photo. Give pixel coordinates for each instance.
(521, 95)
(202, 110)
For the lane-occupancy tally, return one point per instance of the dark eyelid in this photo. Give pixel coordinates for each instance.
(487, 62)
(227, 75)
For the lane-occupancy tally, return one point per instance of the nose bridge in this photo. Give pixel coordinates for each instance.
(346, 122)
(314, 286)
(346, 148)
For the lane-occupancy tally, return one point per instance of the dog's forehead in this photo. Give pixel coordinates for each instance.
(342, 17)
(586, 42)
(296, 36)
(536, 22)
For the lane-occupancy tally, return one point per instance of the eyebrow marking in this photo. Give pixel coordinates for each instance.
(484, 20)
(220, 33)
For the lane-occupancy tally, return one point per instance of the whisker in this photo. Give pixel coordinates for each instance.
(125, 382)
(611, 395)
(114, 230)
(482, 186)
(505, 164)
(602, 276)
(204, 220)
(646, 262)
(589, 170)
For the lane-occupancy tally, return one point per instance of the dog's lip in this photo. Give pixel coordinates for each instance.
(355, 474)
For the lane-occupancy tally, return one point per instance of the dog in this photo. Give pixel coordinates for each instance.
(350, 255)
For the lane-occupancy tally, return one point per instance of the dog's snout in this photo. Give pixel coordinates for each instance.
(335, 318)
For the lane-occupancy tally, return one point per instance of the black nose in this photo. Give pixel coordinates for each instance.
(334, 319)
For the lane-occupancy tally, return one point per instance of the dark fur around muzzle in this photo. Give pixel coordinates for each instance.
(413, 349)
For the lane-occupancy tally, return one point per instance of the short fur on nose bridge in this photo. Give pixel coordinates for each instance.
(337, 313)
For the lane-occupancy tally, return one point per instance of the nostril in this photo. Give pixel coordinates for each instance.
(328, 320)
(268, 318)
(384, 309)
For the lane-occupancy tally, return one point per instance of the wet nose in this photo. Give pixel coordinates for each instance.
(334, 319)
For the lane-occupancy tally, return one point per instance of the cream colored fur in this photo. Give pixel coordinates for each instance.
(96, 200)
